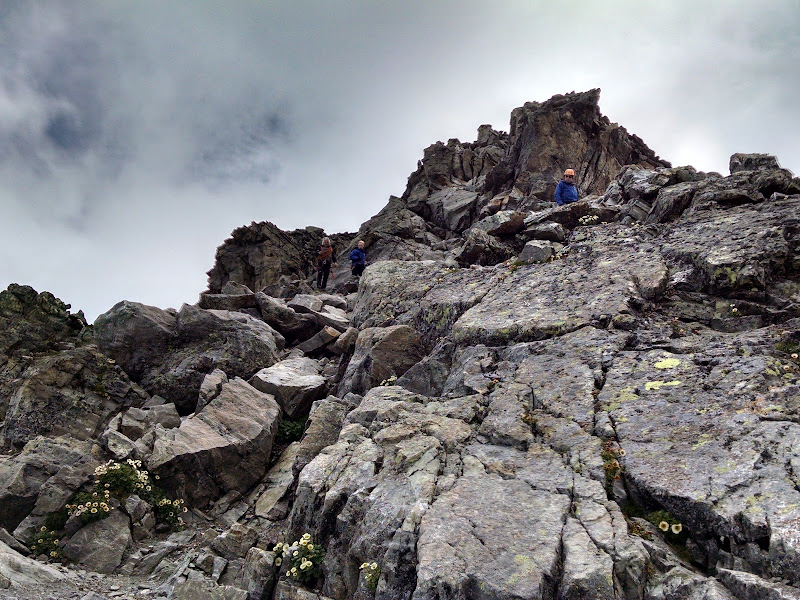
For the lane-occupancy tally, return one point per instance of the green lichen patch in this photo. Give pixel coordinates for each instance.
(657, 385)
(667, 363)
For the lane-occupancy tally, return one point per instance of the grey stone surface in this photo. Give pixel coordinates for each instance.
(551, 232)
(20, 570)
(536, 251)
(276, 483)
(295, 384)
(235, 542)
(170, 354)
(304, 303)
(381, 353)
(224, 447)
(211, 387)
(505, 222)
(227, 301)
(201, 590)
(75, 392)
(324, 337)
(101, 545)
(258, 575)
(40, 479)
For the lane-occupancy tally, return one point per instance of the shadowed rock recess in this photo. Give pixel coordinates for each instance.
(515, 401)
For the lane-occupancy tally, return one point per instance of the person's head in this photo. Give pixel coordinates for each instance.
(361, 244)
(569, 175)
(326, 241)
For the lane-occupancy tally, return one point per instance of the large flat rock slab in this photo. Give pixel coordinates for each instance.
(739, 250)
(712, 436)
(465, 527)
(295, 383)
(589, 287)
(223, 448)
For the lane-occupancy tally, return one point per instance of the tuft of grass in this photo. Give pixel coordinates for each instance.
(290, 431)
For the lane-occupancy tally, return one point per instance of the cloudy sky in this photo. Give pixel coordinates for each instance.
(136, 135)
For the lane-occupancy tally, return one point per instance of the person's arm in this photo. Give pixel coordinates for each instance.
(557, 195)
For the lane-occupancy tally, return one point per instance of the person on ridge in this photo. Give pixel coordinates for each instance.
(326, 258)
(566, 192)
(358, 258)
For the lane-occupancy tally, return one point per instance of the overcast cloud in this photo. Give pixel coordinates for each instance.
(135, 136)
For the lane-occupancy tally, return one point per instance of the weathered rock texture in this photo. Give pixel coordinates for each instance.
(170, 353)
(456, 186)
(223, 448)
(611, 413)
(269, 260)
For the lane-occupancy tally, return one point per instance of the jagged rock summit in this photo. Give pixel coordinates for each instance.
(515, 400)
(455, 186)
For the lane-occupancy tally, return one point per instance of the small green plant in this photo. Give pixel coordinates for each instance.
(611, 453)
(90, 506)
(123, 479)
(169, 512)
(46, 542)
(670, 526)
(635, 528)
(790, 348)
(56, 521)
(303, 559)
(515, 264)
(290, 431)
(372, 573)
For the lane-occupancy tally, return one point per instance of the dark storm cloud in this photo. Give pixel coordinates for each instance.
(134, 136)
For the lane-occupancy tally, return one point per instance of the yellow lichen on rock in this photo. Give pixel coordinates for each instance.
(667, 363)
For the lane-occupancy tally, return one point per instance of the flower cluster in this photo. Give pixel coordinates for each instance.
(588, 219)
(122, 479)
(672, 528)
(304, 556)
(675, 528)
(113, 481)
(611, 454)
(389, 380)
(46, 543)
(372, 573)
(169, 511)
(90, 506)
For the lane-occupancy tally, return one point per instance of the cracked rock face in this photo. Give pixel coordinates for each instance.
(616, 419)
(565, 401)
(169, 353)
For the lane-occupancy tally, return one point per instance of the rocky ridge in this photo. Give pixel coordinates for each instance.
(516, 400)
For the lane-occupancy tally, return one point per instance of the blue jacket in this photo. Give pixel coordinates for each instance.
(358, 257)
(566, 192)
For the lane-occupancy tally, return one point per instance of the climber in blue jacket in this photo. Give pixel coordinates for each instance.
(358, 258)
(566, 192)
